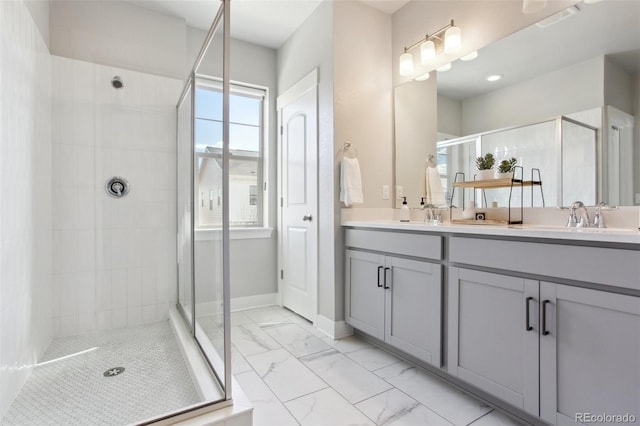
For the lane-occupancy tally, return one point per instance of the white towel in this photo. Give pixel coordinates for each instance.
(433, 187)
(350, 182)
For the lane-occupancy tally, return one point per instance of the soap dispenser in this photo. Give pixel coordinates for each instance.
(422, 205)
(470, 211)
(405, 214)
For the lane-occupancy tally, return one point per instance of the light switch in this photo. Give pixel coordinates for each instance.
(399, 191)
(385, 192)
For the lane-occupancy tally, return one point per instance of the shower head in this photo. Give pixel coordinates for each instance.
(117, 83)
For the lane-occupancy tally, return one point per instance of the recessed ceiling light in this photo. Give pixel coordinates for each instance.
(422, 77)
(444, 68)
(494, 77)
(471, 56)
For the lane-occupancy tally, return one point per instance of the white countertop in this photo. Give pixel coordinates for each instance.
(607, 235)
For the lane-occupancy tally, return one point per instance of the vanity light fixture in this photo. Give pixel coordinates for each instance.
(422, 77)
(406, 64)
(494, 77)
(470, 57)
(447, 39)
(591, 1)
(533, 6)
(445, 67)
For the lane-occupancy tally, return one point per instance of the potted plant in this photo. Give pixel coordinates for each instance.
(506, 168)
(485, 166)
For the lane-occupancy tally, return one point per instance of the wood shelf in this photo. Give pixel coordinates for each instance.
(495, 183)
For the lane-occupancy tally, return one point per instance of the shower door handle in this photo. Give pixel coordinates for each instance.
(307, 218)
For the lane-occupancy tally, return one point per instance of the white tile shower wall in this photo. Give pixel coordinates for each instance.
(25, 201)
(114, 259)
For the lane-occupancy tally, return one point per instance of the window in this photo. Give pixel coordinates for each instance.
(246, 145)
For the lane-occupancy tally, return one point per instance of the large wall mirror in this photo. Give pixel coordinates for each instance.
(567, 103)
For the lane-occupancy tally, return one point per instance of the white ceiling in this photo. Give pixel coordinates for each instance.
(264, 22)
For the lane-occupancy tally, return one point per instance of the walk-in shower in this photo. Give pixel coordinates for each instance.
(132, 338)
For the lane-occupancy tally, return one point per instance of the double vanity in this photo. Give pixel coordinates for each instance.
(545, 320)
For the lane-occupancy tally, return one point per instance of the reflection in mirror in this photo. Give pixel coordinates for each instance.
(591, 75)
(561, 153)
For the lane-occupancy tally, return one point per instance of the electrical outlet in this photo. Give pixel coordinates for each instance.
(385, 192)
(637, 197)
(399, 192)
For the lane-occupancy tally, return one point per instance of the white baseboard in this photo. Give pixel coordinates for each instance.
(237, 304)
(250, 302)
(333, 329)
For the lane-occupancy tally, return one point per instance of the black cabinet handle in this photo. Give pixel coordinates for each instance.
(544, 317)
(379, 269)
(527, 303)
(385, 278)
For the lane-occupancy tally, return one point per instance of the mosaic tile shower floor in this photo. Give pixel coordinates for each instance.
(68, 387)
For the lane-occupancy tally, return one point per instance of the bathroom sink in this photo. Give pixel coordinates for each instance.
(565, 229)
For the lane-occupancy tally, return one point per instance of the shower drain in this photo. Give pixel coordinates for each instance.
(115, 371)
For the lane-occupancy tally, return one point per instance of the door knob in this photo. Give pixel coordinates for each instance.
(307, 218)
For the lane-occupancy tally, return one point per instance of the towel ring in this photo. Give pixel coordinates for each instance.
(348, 147)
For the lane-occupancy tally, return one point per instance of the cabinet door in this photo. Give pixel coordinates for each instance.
(413, 308)
(590, 358)
(492, 344)
(364, 292)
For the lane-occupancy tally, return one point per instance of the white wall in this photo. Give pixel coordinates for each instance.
(310, 47)
(25, 204)
(575, 88)
(114, 259)
(119, 34)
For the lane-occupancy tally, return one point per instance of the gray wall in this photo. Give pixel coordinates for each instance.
(39, 10)
(575, 88)
(310, 47)
(253, 261)
(617, 87)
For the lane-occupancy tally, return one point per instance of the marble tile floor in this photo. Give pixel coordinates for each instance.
(68, 387)
(295, 375)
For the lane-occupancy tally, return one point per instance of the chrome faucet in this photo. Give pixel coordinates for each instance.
(598, 219)
(578, 216)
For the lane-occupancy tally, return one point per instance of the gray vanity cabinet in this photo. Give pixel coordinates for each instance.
(493, 344)
(590, 355)
(394, 298)
(552, 350)
(364, 295)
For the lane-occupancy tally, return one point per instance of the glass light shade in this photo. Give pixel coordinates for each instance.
(592, 1)
(427, 52)
(406, 64)
(422, 77)
(471, 56)
(533, 6)
(452, 40)
(444, 68)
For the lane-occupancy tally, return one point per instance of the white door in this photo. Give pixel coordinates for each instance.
(298, 236)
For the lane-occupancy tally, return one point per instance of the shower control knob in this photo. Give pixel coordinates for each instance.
(117, 187)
